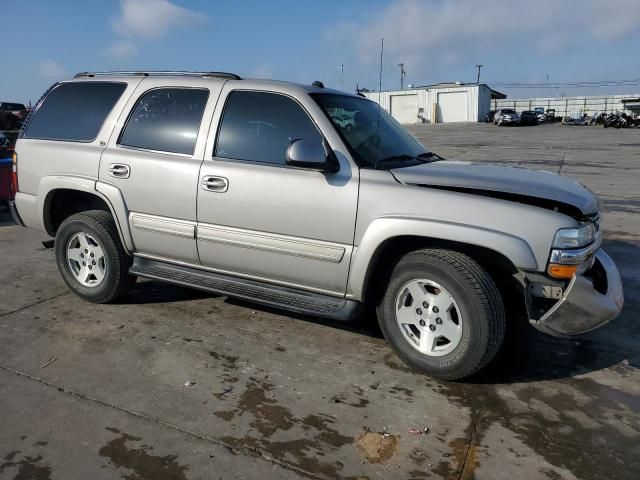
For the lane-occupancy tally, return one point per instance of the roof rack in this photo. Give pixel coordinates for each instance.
(159, 73)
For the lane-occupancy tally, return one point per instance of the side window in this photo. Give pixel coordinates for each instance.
(166, 120)
(258, 127)
(74, 111)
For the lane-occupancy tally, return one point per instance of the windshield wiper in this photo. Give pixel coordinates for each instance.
(424, 157)
(429, 157)
(395, 158)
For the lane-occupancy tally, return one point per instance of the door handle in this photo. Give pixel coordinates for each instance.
(119, 170)
(212, 183)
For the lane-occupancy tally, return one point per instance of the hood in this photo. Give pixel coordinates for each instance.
(519, 184)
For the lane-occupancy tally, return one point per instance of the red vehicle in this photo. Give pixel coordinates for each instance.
(6, 168)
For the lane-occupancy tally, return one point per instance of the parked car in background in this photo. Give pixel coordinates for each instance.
(6, 154)
(542, 117)
(528, 117)
(551, 115)
(488, 118)
(506, 116)
(12, 115)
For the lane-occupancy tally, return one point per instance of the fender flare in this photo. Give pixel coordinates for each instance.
(515, 249)
(108, 193)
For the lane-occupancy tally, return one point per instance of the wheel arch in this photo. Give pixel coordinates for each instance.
(62, 196)
(384, 244)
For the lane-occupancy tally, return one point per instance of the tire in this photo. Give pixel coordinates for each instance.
(109, 276)
(476, 305)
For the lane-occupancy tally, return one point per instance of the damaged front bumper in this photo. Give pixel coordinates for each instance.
(591, 299)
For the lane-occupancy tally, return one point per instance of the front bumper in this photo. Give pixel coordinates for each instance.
(590, 300)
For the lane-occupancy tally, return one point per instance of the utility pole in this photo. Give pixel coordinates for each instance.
(402, 74)
(342, 77)
(479, 67)
(547, 89)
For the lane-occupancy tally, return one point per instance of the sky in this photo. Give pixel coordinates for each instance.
(438, 41)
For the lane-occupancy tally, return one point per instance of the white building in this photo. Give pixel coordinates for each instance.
(440, 103)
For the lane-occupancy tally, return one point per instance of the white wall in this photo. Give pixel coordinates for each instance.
(566, 105)
(478, 100)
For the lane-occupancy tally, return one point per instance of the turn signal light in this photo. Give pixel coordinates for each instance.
(562, 271)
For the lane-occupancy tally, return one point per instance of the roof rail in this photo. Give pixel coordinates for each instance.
(159, 73)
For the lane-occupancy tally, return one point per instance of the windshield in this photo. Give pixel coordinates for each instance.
(373, 136)
(508, 112)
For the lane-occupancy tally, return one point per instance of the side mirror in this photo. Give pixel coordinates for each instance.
(311, 155)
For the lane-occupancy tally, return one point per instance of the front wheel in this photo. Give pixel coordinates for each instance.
(91, 257)
(442, 313)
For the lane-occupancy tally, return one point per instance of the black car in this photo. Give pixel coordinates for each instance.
(488, 118)
(529, 117)
(12, 115)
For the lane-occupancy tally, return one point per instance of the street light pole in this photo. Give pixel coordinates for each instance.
(479, 67)
(547, 89)
(342, 77)
(402, 74)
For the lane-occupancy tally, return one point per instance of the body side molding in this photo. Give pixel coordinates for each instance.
(274, 243)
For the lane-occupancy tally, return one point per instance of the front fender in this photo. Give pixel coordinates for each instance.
(380, 230)
(110, 194)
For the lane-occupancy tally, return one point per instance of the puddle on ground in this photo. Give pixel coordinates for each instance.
(28, 467)
(353, 397)
(140, 461)
(607, 447)
(269, 418)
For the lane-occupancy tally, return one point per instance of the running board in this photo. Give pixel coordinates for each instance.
(299, 301)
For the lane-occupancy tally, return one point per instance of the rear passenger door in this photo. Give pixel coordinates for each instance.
(153, 158)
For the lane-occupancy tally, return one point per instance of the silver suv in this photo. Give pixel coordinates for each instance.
(253, 189)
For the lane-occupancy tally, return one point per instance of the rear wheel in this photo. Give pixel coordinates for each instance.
(91, 257)
(442, 313)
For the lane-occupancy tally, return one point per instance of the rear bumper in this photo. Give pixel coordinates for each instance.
(590, 300)
(15, 214)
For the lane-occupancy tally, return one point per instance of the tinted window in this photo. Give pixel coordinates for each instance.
(258, 127)
(74, 111)
(373, 136)
(167, 120)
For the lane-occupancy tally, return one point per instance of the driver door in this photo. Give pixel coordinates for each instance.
(258, 217)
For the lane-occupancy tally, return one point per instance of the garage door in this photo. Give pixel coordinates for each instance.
(452, 107)
(404, 108)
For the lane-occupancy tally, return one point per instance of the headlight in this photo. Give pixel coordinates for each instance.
(575, 237)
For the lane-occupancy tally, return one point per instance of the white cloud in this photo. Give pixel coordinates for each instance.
(122, 49)
(146, 20)
(152, 18)
(52, 70)
(431, 32)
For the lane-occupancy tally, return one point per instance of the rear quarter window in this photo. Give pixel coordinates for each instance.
(74, 111)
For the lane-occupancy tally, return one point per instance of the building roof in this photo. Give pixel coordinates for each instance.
(494, 93)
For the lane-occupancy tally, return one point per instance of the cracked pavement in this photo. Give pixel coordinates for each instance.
(172, 383)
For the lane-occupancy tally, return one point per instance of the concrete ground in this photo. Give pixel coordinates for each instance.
(176, 384)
